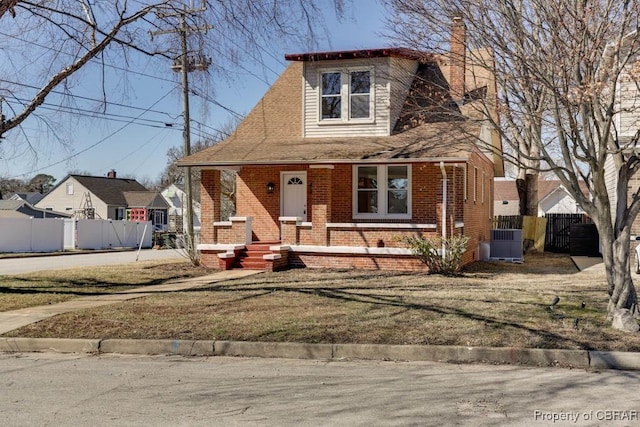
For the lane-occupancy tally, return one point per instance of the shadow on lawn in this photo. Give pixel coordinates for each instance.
(78, 287)
(367, 295)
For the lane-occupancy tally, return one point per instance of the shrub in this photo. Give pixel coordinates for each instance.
(427, 250)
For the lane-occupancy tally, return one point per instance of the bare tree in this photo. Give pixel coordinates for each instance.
(567, 81)
(175, 175)
(55, 45)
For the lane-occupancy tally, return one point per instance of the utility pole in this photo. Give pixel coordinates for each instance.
(184, 65)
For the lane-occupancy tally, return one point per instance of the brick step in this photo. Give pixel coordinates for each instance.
(251, 265)
(253, 254)
(258, 248)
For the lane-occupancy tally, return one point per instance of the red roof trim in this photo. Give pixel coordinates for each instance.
(360, 54)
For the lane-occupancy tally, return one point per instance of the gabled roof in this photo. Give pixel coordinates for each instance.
(22, 208)
(32, 197)
(145, 199)
(505, 189)
(271, 133)
(11, 204)
(109, 190)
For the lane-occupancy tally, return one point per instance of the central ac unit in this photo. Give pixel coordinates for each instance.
(506, 244)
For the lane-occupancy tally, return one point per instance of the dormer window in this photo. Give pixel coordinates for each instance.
(346, 95)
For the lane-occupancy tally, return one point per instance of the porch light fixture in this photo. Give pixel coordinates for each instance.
(270, 187)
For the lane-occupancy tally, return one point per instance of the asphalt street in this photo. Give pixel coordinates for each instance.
(59, 262)
(70, 390)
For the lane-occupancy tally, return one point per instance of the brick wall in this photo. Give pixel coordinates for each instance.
(329, 198)
(374, 237)
(253, 200)
(399, 263)
(210, 203)
(478, 213)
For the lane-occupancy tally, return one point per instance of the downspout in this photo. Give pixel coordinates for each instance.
(444, 208)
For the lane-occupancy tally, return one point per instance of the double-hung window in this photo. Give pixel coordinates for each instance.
(346, 95)
(382, 191)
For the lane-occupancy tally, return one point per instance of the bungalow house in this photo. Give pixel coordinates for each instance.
(96, 197)
(349, 151)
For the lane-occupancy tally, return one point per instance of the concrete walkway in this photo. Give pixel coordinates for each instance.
(10, 320)
(587, 262)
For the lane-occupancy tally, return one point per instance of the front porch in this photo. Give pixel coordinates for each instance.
(349, 245)
(315, 216)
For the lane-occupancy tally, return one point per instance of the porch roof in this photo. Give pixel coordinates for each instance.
(424, 143)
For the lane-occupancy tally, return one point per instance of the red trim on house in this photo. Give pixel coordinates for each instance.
(397, 52)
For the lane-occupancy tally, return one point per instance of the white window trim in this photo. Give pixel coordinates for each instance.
(345, 93)
(475, 185)
(382, 192)
(466, 182)
(69, 189)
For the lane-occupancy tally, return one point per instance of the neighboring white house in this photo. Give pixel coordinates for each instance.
(553, 198)
(96, 197)
(626, 125)
(176, 197)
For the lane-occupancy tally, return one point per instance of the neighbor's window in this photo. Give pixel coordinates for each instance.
(346, 95)
(70, 188)
(120, 212)
(382, 191)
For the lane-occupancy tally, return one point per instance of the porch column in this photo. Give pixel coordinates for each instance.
(320, 189)
(210, 188)
(289, 229)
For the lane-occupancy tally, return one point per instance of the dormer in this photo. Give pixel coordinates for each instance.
(357, 92)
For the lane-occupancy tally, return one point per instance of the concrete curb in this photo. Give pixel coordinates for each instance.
(292, 350)
(58, 345)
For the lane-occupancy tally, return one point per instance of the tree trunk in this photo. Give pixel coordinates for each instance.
(528, 195)
(621, 290)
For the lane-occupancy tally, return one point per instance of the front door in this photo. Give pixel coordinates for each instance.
(294, 194)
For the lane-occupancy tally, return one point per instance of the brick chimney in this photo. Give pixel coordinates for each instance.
(111, 173)
(457, 58)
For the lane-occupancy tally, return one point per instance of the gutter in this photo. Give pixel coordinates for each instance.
(444, 208)
(223, 164)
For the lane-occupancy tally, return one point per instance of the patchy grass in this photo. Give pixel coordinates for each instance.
(492, 304)
(50, 287)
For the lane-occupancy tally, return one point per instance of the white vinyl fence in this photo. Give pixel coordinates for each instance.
(50, 235)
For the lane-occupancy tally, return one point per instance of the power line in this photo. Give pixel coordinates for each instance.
(213, 101)
(103, 116)
(90, 99)
(96, 143)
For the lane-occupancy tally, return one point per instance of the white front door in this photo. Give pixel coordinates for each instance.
(294, 194)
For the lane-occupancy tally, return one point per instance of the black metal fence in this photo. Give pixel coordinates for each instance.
(558, 236)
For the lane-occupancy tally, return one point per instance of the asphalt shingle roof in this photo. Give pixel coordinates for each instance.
(271, 134)
(109, 190)
(145, 199)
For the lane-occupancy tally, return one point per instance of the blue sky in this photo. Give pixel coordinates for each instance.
(98, 145)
